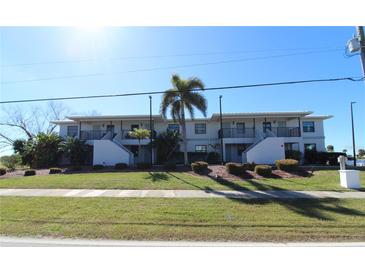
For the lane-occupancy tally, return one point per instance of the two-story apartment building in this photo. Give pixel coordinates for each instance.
(247, 137)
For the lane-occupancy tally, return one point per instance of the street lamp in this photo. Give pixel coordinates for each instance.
(151, 133)
(353, 134)
(220, 117)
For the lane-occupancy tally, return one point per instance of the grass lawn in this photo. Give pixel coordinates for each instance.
(184, 219)
(321, 180)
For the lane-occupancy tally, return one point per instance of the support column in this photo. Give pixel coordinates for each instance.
(79, 135)
(300, 127)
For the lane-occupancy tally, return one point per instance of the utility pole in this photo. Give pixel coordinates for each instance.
(151, 131)
(361, 38)
(353, 134)
(221, 131)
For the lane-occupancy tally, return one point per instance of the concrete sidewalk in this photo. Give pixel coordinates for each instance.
(54, 242)
(272, 194)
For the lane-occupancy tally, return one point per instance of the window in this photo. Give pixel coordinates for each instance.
(200, 148)
(281, 123)
(308, 126)
(310, 147)
(200, 128)
(292, 146)
(72, 131)
(173, 127)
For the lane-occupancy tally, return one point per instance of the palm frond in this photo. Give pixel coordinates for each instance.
(168, 98)
(176, 111)
(197, 100)
(195, 83)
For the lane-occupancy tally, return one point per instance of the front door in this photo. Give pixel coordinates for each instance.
(110, 128)
(266, 126)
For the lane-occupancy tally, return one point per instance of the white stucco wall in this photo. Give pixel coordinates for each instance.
(267, 151)
(108, 153)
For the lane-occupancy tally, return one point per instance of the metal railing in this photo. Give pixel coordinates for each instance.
(92, 134)
(286, 131)
(237, 133)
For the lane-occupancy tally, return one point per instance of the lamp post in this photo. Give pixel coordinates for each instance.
(151, 132)
(353, 133)
(221, 122)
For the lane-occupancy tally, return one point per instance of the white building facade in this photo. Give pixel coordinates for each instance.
(247, 137)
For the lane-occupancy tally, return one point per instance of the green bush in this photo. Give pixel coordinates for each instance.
(30, 172)
(199, 166)
(293, 154)
(249, 166)
(120, 166)
(98, 167)
(2, 171)
(143, 165)
(263, 170)
(55, 170)
(235, 168)
(170, 166)
(11, 161)
(287, 164)
(213, 158)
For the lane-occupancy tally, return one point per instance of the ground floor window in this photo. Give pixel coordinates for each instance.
(291, 146)
(310, 147)
(200, 148)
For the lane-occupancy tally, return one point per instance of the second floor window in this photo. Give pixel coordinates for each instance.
(72, 131)
(200, 128)
(308, 126)
(200, 148)
(173, 127)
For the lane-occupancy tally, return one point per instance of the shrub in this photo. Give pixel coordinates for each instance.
(143, 165)
(11, 161)
(2, 171)
(55, 170)
(29, 172)
(199, 166)
(75, 168)
(170, 166)
(213, 158)
(249, 166)
(263, 170)
(293, 154)
(287, 164)
(98, 167)
(322, 158)
(120, 166)
(235, 168)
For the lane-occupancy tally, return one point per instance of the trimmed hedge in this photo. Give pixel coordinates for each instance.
(98, 167)
(143, 165)
(287, 164)
(322, 157)
(55, 170)
(120, 166)
(293, 154)
(249, 166)
(213, 158)
(199, 166)
(2, 171)
(30, 172)
(263, 170)
(170, 166)
(235, 168)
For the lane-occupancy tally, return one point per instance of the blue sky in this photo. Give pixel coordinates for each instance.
(106, 45)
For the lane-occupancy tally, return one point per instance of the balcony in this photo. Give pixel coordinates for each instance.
(237, 133)
(99, 134)
(286, 131)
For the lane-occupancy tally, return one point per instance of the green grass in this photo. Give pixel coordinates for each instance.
(321, 180)
(184, 219)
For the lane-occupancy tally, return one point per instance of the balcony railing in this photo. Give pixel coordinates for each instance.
(98, 134)
(286, 131)
(237, 133)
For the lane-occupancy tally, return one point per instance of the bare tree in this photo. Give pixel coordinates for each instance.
(17, 122)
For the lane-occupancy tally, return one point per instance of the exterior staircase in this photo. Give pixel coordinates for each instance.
(118, 141)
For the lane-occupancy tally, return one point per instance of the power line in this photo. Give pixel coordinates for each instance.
(169, 67)
(160, 56)
(206, 89)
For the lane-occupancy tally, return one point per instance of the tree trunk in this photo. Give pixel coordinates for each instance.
(183, 129)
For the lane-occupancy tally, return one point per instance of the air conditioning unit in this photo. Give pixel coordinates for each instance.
(353, 45)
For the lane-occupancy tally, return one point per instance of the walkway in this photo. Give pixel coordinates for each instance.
(273, 194)
(45, 242)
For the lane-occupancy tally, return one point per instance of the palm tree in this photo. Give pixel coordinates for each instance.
(183, 95)
(139, 133)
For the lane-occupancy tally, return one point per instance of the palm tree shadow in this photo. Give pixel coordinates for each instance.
(157, 176)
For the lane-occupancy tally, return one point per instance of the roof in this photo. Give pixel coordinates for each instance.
(215, 116)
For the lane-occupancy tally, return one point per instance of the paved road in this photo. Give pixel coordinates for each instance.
(52, 242)
(272, 194)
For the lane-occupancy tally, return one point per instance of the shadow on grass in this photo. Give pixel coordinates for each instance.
(157, 176)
